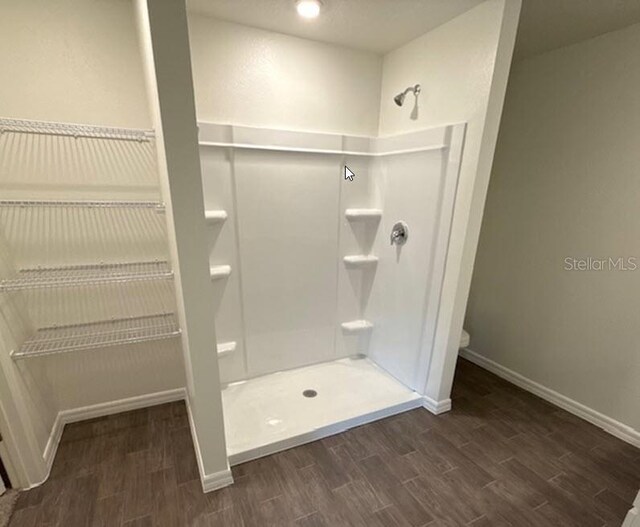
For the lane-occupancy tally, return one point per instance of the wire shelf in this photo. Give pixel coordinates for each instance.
(86, 275)
(159, 206)
(74, 130)
(63, 339)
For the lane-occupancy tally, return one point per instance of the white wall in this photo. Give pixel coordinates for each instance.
(462, 67)
(164, 41)
(247, 76)
(71, 60)
(410, 189)
(565, 184)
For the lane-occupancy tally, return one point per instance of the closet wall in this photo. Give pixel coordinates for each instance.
(87, 58)
(89, 71)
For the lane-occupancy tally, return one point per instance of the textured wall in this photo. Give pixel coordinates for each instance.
(71, 60)
(247, 76)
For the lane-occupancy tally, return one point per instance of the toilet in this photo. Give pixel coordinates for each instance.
(465, 339)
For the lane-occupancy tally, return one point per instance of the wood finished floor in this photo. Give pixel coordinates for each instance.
(502, 457)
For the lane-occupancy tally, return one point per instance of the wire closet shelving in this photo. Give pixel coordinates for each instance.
(117, 332)
(87, 275)
(23, 126)
(113, 204)
(97, 334)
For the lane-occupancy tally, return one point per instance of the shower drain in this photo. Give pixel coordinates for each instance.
(309, 393)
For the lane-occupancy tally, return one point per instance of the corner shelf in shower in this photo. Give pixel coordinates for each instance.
(219, 271)
(357, 326)
(214, 217)
(360, 260)
(225, 348)
(363, 214)
(87, 275)
(94, 335)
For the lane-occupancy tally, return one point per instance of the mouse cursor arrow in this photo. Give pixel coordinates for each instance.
(348, 174)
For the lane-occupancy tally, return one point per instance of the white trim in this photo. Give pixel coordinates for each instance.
(633, 516)
(442, 232)
(436, 407)
(121, 405)
(52, 445)
(323, 431)
(216, 481)
(269, 139)
(83, 413)
(294, 149)
(210, 482)
(615, 428)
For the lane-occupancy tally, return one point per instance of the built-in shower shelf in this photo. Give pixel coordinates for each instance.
(360, 260)
(363, 214)
(215, 216)
(114, 204)
(79, 337)
(225, 348)
(219, 271)
(357, 326)
(87, 275)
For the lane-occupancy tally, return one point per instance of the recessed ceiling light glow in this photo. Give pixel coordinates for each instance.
(308, 8)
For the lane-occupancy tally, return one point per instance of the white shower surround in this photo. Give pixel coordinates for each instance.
(292, 301)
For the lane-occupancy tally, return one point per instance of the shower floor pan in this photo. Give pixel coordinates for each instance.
(270, 413)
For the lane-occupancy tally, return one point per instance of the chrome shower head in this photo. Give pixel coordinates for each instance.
(399, 99)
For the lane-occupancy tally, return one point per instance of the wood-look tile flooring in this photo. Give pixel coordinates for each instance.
(502, 457)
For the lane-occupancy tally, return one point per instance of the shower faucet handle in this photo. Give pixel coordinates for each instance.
(399, 233)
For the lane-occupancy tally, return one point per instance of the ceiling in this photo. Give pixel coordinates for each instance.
(383, 25)
(373, 25)
(551, 24)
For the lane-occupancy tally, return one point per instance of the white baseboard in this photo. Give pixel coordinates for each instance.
(52, 445)
(214, 481)
(633, 516)
(82, 413)
(616, 428)
(436, 407)
(121, 405)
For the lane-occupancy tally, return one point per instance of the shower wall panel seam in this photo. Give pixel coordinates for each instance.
(236, 223)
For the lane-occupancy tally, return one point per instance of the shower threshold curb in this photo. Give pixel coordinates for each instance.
(321, 432)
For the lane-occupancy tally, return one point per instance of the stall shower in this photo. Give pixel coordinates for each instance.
(319, 286)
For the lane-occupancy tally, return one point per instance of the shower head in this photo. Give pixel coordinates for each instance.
(399, 99)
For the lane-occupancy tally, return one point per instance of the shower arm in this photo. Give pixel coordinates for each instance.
(413, 89)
